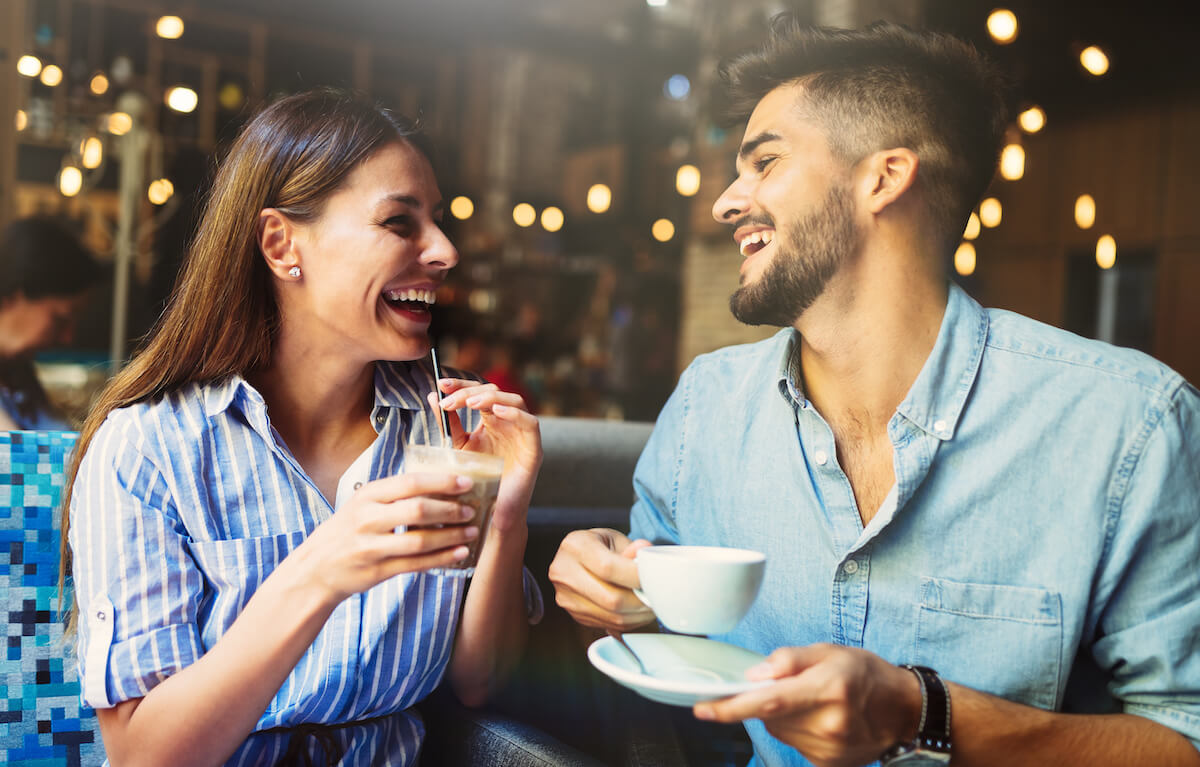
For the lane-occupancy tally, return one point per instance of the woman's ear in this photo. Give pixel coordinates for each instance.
(276, 241)
(888, 174)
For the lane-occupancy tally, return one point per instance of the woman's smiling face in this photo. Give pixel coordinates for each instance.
(371, 262)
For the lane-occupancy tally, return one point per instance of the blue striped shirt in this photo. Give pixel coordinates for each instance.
(183, 507)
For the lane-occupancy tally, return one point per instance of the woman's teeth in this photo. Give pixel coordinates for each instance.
(411, 294)
(751, 243)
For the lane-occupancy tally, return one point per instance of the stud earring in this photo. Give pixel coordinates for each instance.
(294, 271)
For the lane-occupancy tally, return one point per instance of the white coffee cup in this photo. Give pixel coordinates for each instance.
(699, 589)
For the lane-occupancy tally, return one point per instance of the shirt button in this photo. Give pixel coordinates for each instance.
(850, 567)
(357, 485)
(380, 418)
(939, 426)
(101, 615)
(821, 457)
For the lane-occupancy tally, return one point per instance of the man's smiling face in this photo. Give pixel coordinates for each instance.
(791, 210)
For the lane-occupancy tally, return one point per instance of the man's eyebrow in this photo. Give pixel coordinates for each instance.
(750, 145)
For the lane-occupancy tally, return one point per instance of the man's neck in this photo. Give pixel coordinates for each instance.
(864, 342)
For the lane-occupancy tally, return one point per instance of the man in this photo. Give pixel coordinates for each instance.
(1009, 507)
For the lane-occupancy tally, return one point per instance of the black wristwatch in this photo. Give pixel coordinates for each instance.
(932, 744)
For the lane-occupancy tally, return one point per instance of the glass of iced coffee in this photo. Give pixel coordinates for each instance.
(484, 470)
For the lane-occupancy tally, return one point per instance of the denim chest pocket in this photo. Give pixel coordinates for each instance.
(1004, 640)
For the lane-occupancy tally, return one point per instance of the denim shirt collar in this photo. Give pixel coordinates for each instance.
(936, 400)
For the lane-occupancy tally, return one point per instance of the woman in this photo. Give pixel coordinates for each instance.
(237, 491)
(44, 276)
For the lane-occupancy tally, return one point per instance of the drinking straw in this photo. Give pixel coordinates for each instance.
(444, 421)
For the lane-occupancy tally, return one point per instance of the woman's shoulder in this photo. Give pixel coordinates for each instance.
(178, 416)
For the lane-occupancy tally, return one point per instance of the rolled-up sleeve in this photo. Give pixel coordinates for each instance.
(656, 476)
(135, 584)
(1149, 639)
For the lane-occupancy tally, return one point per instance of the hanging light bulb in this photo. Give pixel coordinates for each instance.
(51, 75)
(552, 219)
(662, 230)
(964, 259)
(1085, 211)
(687, 180)
(169, 27)
(1106, 252)
(118, 123)
(91, 152)
(181, 98)
(1032, 120)
(990, 212)
(99, 84)
(160, 191)
(29, 66)
(462, 208)
(1094, 60)
(599, 197)
(524, 215)
(972, 230)
(1012, 162)
(1002, 25)
(70, 180)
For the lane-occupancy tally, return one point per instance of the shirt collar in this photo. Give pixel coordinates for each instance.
(937, 398)
(397, 384)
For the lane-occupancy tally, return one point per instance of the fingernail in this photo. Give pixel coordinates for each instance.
(444, 402)
(499, 408)
(464, 481)
(473, 401)
(472, 532)
(461, 552)
(466, 512)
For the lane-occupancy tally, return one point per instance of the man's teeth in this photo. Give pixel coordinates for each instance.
(754, 239)
(423, 296)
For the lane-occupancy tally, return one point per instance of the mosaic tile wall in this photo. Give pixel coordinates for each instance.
(41, 721)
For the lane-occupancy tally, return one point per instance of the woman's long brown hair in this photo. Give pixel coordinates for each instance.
(222, 315)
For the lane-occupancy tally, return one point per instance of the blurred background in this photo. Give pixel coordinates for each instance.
(581, 147)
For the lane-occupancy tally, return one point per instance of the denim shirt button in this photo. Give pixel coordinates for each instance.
(821, 457)
(939, 426)
(851, 567)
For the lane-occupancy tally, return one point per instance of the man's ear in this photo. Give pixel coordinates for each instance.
(275, 240)
(886, 175)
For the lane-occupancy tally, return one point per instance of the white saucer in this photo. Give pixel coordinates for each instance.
(683, 669)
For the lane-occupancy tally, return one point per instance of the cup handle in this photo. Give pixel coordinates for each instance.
(642, 596)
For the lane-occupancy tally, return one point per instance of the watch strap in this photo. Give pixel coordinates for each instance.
(933, 731)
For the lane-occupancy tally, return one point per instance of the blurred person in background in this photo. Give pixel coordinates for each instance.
(45, 273)
(250, 563)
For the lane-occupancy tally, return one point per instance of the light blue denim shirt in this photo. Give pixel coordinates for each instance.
(1042, 541)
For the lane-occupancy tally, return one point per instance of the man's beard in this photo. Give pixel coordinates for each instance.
(810, 253)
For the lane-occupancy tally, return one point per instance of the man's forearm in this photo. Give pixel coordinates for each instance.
(988, 731)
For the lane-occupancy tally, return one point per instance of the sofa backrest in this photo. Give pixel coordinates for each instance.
(41, 720)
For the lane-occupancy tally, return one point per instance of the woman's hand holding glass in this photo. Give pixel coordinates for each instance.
(359, 546)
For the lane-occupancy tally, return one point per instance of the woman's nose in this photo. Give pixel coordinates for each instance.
(439, 251)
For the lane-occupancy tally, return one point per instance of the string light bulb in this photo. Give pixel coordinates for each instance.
(662, 230)
(1094, 60)
(169, 27)
(972, 230)
(964, 259)
(1002, 25)
(1085, 211)
(524, 215)
(552, 219)
(687, 180)
(1106, 252)
(990, 212)
(1012, 162)
(181, 98)
(462, 208)
(1032, 119)
(29, 66)
(599, 197)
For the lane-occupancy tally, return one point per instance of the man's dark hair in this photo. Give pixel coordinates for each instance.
(889, 86)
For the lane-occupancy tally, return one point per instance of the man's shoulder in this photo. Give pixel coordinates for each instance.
(1047, 351)
(760, 357)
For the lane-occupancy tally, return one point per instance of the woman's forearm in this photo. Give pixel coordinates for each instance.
(203, 713)
(494, 624)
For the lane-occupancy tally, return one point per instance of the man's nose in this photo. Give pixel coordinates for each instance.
(732, 204)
